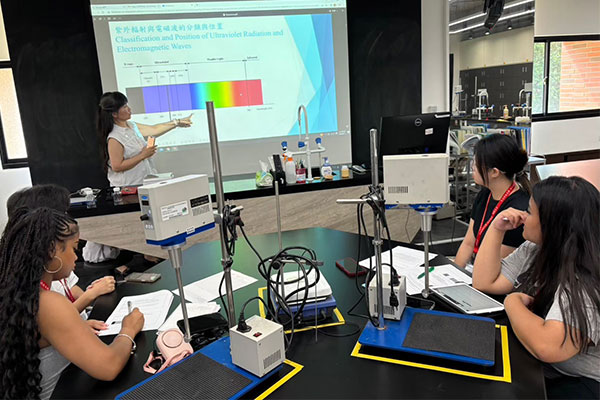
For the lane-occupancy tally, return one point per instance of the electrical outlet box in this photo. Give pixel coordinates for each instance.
(389, 312)
(259, 350)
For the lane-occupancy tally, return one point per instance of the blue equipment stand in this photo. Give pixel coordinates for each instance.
(192, 377)
(395, 332)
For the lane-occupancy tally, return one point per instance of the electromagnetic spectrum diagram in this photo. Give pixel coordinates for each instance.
(256, 70)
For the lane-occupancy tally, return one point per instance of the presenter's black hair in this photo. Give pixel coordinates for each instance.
(110, 103)
(26, 246)
(568, 259)
(501, 152)
(47, 195)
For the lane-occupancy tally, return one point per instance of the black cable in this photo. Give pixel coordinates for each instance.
(265, 269)
(356, 330)
(223, 301)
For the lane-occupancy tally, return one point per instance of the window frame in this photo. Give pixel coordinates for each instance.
(7, 162)
(559, 115)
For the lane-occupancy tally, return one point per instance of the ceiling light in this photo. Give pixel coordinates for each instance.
(506, 7)
(500, 19)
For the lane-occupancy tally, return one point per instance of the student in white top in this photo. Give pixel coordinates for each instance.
(125, 152)
(554, 277)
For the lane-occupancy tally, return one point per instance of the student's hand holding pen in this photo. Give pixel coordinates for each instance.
(133, 322)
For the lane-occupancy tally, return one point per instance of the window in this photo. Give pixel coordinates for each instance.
(12, 143)
(566, 77)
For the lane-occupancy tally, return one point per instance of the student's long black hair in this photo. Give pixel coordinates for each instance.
(568, 260)
(26, 246)
(502, 152)
(110, 103)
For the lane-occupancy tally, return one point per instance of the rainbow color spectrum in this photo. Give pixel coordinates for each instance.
(193, 96)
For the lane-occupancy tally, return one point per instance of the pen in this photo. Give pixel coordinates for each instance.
(129, 306)
(423, 274)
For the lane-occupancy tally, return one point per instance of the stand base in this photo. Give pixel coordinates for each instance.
(211, 366)
(395, 334)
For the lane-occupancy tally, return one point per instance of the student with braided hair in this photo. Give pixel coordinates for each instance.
(41, 330)
(57, 197)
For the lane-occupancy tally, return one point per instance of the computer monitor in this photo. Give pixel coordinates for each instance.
(414, 134)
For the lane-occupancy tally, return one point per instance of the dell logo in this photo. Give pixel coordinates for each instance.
(418, 122)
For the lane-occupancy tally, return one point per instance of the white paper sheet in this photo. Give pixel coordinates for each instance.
(403, 257)
(407, 262)
(207, 289)
(155, 307)
(193, 309)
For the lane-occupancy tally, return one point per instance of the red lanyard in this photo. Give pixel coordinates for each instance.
(483, 226)
(70, 296)
(68, 291)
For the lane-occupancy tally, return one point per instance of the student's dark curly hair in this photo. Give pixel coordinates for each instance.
(26, 246)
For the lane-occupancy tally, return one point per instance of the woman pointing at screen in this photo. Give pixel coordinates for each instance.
(125, 151)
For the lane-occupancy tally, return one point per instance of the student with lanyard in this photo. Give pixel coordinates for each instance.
(553, 280)
(498, 163)
(57, 198)
(42, 333)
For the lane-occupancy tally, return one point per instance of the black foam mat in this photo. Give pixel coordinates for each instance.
(461, 336)
(198, 377)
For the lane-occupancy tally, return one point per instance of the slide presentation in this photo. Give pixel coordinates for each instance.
(257, 61)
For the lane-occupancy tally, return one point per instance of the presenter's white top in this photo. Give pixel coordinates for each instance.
(133, 143)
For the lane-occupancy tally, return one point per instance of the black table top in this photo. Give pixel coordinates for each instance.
(329, 370)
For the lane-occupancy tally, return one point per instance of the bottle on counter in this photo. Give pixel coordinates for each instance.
(326, 170)
(290, 170)
(117, 196)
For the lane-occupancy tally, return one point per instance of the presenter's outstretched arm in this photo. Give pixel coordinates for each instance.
(488, 263)
(62, 327)
(160, 129)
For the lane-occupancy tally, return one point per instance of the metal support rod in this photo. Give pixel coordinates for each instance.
(377, 229)
(216, 161)
(176, 258)
(426, 221)
(278, 208)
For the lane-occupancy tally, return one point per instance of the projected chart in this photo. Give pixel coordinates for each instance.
(256, 70)
(193, 96)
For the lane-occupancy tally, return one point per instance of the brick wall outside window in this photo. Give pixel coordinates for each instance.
(578, 87)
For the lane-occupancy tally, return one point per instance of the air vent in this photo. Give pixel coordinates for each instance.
(267, 362)
(200, 210)
(397, 189)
